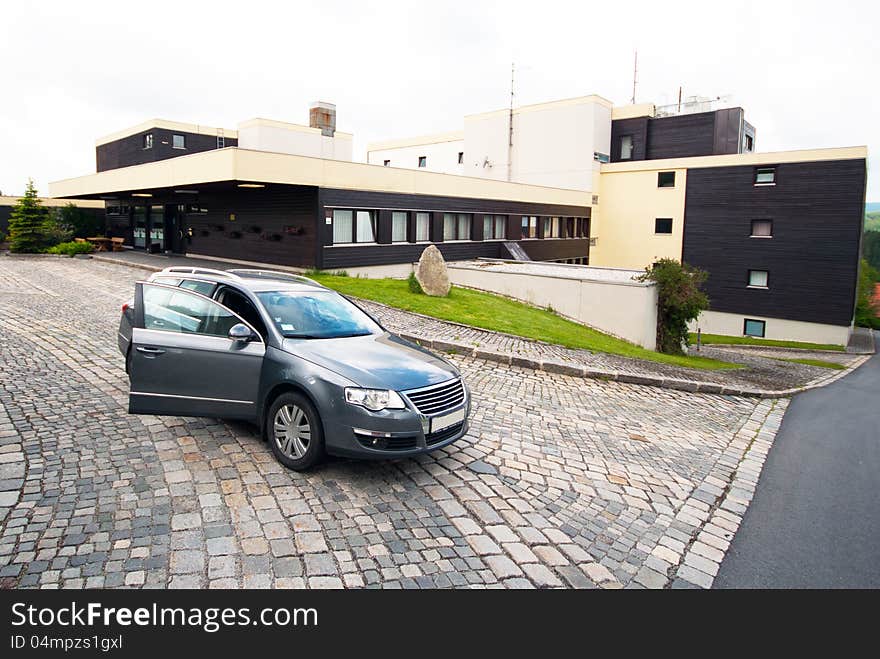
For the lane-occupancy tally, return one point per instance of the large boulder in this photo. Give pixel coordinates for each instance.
(432, 274)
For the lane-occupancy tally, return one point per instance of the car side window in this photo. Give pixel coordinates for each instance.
(203, 287)
(175, 310)
(234, 300)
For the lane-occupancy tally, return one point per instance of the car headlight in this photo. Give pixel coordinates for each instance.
(374, 399)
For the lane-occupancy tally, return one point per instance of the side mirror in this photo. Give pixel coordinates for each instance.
(241, 333)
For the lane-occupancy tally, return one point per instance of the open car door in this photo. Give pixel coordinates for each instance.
(191, 356)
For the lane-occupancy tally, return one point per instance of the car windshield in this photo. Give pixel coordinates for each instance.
(316, 315)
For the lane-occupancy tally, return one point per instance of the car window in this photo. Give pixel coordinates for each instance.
(318, 315)
(203, 287)
(232, 299)
(175, 310)
(168, 281)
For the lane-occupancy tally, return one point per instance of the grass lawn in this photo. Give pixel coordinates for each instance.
(816, 362)
(717, 339)
(499, 314)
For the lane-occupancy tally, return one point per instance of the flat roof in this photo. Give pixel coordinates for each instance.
(732, 160)
(243, 165)
(167, 125)
(556, 270)
(54, 202)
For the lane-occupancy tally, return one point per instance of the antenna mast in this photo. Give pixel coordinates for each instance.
(510, 126)
(635, 77)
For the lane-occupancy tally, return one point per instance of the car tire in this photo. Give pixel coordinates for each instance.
(294, 431)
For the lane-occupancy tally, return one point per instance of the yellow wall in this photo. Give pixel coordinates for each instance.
(623, 222)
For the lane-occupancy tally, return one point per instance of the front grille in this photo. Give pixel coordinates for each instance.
(438, 399)
(437, 437)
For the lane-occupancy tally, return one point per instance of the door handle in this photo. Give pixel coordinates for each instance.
(150, 351)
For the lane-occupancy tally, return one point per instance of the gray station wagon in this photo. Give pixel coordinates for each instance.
(313, 370)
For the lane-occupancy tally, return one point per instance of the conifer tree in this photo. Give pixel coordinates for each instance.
(29, 224)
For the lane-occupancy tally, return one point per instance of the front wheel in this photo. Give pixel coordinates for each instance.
(294, 431)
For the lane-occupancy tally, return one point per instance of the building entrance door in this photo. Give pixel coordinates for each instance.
(175, 228)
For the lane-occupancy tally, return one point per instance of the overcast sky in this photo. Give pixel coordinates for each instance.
(806, 72)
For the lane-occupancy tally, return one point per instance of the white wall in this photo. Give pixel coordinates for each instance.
(278, 137)
(731, 324)
(625, 310)
(442, 156)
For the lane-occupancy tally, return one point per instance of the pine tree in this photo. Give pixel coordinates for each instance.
(29, 223)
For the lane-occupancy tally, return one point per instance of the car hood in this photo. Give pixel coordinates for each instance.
(377, 361)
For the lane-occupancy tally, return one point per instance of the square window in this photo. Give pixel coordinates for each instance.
(178, 141)
(666, 180)
(461, 157)
(626, 147)
(221, 141)
(663, 225)
(148, 141)
(758, 278)
(756, 328)
(765, 176)
(386, 163)
(762, 229)
(423, 161)
(529, 227)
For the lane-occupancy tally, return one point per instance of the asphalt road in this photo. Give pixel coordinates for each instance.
(815, 518)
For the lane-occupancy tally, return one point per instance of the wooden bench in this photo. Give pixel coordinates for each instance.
(117, 244)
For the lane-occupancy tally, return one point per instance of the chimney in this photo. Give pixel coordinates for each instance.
(323, 115)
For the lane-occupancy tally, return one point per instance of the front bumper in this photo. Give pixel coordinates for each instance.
(388, 434)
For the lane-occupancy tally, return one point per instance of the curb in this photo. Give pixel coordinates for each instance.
(576, 370)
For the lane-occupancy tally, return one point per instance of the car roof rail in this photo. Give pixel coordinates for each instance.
(274, 274)
(189, 270)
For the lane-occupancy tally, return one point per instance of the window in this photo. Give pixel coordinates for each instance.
(626, 147)
(456, 226)
(342, 226)
(461, 157)
(423, 161)
(241, 306)
(148, 141)
(765, 176)
(663, 225)
(750, 144)
(758, 278)
(365, 227)
(316, 315)
(178, 141)
(494, 227)
(398, 227)
(552, 227)
(174, 310)
(423, 227)
(530, 227)
(203, 287)
(221, 142)
(386, 163)
(762, 229)
(666, 180)
(757, 328)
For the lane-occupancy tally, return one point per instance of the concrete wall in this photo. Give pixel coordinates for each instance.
(624, 310)
(442, 155)
(280, 137)
(731, 324)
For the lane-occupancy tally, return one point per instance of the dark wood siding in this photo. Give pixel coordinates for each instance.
(342, 256)
(817, 213)
(272, 225)
(683, 136)
(130, 150)
(638, 128)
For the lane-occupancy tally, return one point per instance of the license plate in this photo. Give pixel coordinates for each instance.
(439, 423)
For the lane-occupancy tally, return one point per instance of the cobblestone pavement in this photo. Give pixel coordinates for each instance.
(562, 482)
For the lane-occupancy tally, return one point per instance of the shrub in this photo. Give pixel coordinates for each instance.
(79, 222)
(72, 248)
(29, 224)
(414, 285)
(2, 236)
(679, 301)
(866, 310)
